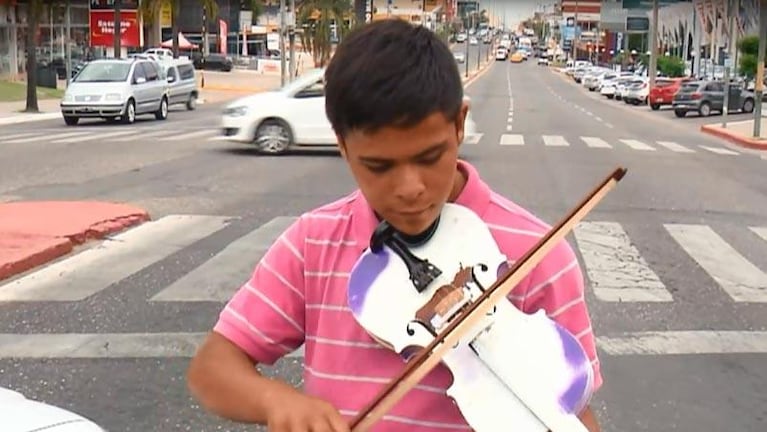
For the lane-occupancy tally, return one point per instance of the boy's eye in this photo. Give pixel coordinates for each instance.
(431, 158)
(378, 168)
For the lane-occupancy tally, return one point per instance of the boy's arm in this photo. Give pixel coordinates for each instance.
(261, 323)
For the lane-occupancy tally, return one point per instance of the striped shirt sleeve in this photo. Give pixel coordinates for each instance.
(265, 317)
(556, 285)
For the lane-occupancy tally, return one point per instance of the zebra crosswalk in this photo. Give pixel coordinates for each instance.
(591, 142)
(109, 134)
(616, 269)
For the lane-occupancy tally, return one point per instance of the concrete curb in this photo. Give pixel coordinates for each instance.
(26, 241)
(735, 138)
(25, 118)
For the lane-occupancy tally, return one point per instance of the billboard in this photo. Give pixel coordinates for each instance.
(102, 28)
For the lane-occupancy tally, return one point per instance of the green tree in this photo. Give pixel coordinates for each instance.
(317, 18)
(671, 66)
(749, 50)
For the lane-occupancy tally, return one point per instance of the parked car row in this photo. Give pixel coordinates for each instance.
(684, 95)
(119, 89)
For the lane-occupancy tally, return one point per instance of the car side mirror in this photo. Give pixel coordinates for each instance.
(171, 79)
(140, 80)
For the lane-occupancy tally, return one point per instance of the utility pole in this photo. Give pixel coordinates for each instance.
(292, 39)
(67, 47)
(283, 21)
(466, 42)
(730, 56)
(653, 48)
(760, 68)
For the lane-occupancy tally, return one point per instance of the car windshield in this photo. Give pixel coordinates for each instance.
(104, 72)
(303, 81)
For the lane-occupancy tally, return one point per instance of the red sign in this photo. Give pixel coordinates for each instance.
(102, 24)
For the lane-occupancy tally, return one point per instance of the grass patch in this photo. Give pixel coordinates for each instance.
(17, 91)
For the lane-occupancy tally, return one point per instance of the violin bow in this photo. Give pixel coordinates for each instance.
(430, 356)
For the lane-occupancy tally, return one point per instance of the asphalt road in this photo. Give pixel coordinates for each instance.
(676, 255)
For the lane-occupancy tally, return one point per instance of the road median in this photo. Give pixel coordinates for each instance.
(33, 233)
(739, 133)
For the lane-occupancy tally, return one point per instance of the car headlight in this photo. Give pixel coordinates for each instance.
(236, 111)
(113, 97)
(67, 97)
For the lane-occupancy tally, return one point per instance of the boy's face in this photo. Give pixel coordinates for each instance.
(407, 174)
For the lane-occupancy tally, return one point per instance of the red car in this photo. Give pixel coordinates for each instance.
(663, 92)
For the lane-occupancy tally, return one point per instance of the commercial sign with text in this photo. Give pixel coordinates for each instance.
(102, 27)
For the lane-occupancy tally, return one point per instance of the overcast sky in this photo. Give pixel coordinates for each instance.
(514, 11)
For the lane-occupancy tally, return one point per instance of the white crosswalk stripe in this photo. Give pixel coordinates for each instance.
(719, 150)
(637, 145)
(674, 147)
(512, 139)
(555, 141)
(741, 279)
(109, 134)
(592, 142)
(596, 142)
(205, 282)
(616, 269)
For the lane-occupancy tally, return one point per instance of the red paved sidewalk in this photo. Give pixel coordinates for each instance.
(35, 232)
(740, 133)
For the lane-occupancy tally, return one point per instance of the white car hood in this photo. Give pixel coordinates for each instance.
(20, 414)
(256, 98)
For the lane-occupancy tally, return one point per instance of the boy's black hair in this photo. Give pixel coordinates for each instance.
(390, 73)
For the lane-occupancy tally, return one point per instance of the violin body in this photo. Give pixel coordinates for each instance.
(516, 369)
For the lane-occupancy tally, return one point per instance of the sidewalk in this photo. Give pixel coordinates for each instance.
(31, 236)
(214, 87)
(740, 133)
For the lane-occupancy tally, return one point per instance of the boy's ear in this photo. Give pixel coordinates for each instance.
(341, 146)
(460, 121)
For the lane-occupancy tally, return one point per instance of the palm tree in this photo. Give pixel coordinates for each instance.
(317, 18)
(150, 9)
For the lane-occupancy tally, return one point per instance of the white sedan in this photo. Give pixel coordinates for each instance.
(293, 116)
(20, 414)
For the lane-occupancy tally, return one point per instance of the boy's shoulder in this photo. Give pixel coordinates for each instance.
(503, 214)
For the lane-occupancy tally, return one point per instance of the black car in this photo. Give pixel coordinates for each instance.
(214, 62)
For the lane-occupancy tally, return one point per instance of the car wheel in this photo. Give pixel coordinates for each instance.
(162, 113)
(191, 104)
(129, 116)
(273, 136)
(705, 109)
(655, 107)
(680, 113)
(748, 106)
(71, 121)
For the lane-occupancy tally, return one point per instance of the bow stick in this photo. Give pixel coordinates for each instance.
(430, 356)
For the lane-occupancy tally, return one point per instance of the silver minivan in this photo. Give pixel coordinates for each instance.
(182, 82)
(115, 89)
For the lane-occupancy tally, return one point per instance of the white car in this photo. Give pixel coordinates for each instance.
(19, 414)
(543, 60)
(293, 116)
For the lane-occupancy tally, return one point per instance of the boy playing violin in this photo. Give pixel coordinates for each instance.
(394, 98)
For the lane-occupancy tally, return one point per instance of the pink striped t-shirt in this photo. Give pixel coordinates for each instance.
(298, 295)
